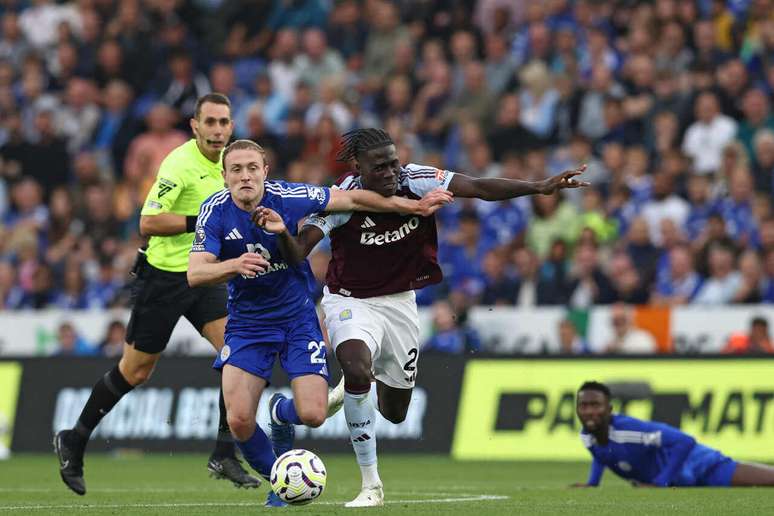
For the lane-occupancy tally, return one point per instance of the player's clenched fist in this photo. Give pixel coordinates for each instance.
(268, 219)
(434, 201)
(250, 264)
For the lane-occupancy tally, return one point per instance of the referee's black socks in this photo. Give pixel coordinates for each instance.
(104, 396)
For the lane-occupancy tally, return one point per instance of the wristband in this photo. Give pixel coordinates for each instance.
(190, 223)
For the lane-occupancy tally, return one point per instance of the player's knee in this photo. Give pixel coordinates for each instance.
(138, 375)
(393, 415)
(357, 373)
(242, 424)
(313, 418)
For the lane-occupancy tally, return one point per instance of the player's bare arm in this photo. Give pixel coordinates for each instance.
(364, 200)
(205, 269)
(269, 220)
(166, 224)
(498, 189)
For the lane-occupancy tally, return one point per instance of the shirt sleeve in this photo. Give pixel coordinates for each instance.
(327, 222)
(595, 474)
(302, 200)
(209, 231)
(424, 179)
(164, 192)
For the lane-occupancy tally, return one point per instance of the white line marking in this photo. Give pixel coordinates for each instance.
(228, 487)
(478, 498)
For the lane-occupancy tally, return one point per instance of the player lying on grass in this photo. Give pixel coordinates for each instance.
(377, 263)
(654, 454)
(270, 312)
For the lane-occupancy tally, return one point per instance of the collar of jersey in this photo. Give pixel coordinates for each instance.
(202, 158)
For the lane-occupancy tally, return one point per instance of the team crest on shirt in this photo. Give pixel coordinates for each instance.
(345, 315)
(624, 466)
(316, 193)
(225, 352)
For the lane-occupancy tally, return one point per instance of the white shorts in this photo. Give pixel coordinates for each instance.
(389, 325)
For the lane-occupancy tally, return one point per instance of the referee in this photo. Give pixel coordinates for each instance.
(186, 177)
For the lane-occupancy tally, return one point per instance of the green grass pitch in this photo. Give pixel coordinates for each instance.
(415, 485)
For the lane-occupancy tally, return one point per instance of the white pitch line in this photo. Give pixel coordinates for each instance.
(479, 498)
(195, 490)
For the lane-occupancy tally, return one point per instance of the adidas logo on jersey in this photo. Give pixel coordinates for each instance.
(368, 223)
(367, 238)
(234, 235)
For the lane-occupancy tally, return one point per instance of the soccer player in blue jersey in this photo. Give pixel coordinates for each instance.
(270, 312)
(654, 454)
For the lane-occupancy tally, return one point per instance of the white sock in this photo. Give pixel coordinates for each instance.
(361, 418)
(370, 475)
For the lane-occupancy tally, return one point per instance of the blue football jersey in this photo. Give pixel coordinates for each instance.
(650, 452)
(226, 231)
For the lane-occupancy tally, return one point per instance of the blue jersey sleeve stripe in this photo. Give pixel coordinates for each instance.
(279, 189)
(278, 186)
(206, 210)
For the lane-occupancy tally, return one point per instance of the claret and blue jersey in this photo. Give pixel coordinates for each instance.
(273, 310)
(658, 454)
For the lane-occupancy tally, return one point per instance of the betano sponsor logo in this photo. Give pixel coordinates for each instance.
(526, 409)
(370, 238)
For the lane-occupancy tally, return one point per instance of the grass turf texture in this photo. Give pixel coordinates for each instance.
(416, 485)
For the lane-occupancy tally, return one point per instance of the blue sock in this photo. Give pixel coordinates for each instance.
(286, 412)
(258, 453)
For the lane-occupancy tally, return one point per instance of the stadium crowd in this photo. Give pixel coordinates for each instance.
(668, 102)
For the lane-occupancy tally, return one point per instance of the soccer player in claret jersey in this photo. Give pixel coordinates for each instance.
(270, 312)
(654, 454)
(378, 260)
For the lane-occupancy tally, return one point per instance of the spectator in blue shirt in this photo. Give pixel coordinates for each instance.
(654, 454)
(701, 205)
(450, 333)
(71, 344)
(462, 254)
(737, 210)
(768, 286)
(681, 282)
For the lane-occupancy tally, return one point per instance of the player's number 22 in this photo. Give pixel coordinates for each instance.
(317, 349)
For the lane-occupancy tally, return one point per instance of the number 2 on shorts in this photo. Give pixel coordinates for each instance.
(409, 366)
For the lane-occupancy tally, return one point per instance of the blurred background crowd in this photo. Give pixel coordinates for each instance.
(668, 102)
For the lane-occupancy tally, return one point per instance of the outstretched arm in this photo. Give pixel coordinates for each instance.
(498, 189)
(293, 249)
(365, 200)
(595, 475)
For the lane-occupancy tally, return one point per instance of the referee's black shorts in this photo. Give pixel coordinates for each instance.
(161, 298)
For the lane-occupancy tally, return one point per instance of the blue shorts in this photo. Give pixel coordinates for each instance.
(299, 344)
(705, 466)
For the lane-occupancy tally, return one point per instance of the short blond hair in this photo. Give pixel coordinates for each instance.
(243, 145)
